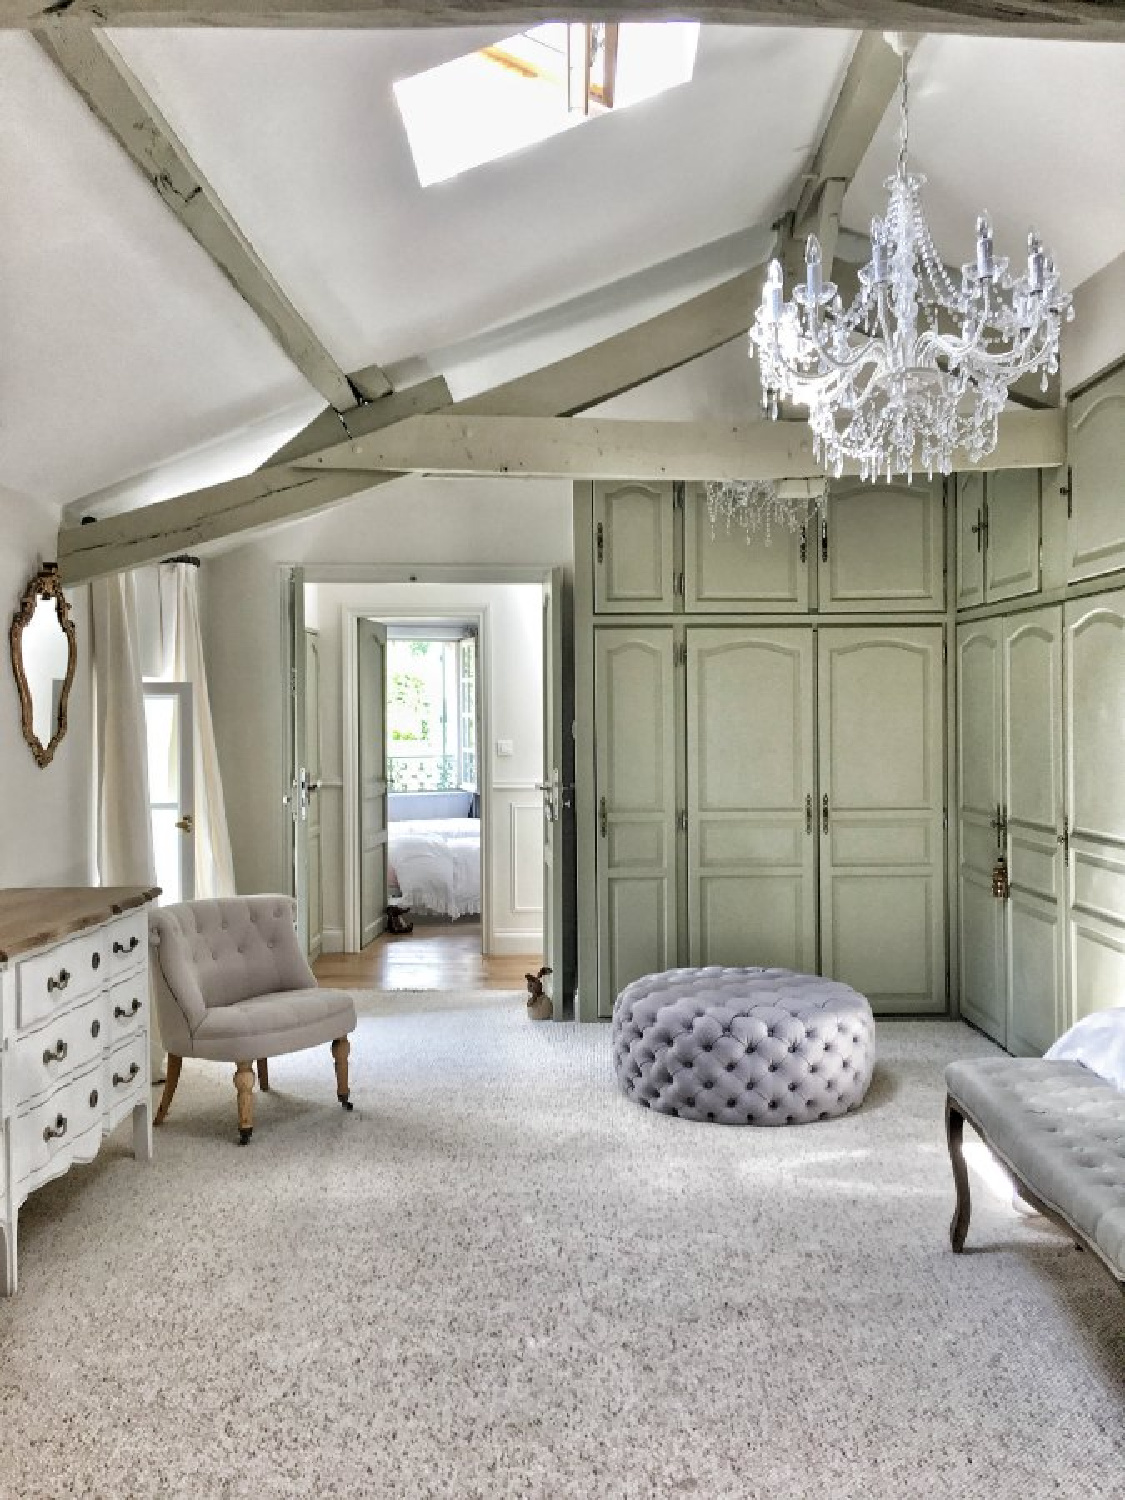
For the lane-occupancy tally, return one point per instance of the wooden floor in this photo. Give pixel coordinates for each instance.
(437, 955)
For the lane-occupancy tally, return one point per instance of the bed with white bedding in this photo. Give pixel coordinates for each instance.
(434, 863)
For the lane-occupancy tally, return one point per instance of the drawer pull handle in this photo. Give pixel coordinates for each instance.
(60, 983)
(93, 1098)
(55, 1053)
(56, 1131)
(120, 1078)
(95, 1029)
(124, 1015)
(129, 947)
(96, 961)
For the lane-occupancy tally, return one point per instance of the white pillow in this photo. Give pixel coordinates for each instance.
(1098, 1042)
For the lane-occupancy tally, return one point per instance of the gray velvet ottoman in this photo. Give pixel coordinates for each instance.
(743, 1046)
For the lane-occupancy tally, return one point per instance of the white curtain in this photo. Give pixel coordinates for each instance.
(124, 835)
(183, 662)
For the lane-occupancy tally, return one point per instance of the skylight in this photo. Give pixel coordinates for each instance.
(535, 85)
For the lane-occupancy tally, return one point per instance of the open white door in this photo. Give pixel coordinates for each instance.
(296, 797)
(557, 787)
(371, 760)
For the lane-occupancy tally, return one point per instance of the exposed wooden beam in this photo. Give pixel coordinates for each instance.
(99, 73)
(1085, 20)
(280, 492)
(331, 427)
(605, 448)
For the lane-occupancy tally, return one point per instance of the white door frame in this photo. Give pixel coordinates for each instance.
(181, 693)
(474, 614)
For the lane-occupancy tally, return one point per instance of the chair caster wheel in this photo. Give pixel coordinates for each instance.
(345, 1101)
(244, 1135)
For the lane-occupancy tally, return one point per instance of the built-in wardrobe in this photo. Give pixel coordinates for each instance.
(761, 735)
(1041, 734)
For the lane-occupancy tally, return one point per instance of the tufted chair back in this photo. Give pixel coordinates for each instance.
(214, 953)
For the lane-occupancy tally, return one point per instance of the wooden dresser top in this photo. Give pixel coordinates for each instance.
(36, 916)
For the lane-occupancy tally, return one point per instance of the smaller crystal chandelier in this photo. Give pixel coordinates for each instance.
(759, 505)
(916, 366)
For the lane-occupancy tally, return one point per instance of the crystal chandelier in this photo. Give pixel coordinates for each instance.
(758, 505)
(916, 366)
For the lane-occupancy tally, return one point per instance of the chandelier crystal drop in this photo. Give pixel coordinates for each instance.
(917, 366)
(759, 505)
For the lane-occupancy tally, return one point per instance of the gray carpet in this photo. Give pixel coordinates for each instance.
(498, 1277)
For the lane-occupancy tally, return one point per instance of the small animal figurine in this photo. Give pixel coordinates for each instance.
(397, 920)
(538, 1004)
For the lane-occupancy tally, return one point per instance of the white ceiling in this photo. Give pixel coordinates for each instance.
(124, 348)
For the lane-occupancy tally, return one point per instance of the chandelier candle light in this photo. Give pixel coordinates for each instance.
(916, 366)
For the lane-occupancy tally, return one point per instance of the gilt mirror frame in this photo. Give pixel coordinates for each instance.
(44, 585)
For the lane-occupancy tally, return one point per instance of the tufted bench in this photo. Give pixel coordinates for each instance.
(743, 1046)
(1060, 1131)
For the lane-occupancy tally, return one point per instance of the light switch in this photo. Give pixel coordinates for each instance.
(505, 747)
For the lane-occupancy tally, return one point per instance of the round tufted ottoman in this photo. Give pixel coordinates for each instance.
(743, 1046)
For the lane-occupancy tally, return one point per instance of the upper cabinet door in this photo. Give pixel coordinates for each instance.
(1096, 451)
(633, 548)
(970, 540)
(882, 547)
(728, 570)
(1011, 554)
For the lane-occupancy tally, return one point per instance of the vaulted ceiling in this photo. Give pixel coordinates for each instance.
(124, 348)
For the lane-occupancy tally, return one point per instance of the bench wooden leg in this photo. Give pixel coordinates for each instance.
(171, 1079)
(244, 1083)
(341, 1047)
(954, 1135)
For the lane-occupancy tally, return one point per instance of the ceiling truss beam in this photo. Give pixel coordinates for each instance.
(101, 76)
(1078, 20)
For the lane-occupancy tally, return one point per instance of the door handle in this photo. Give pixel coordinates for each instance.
(824, 813)
(186, 824)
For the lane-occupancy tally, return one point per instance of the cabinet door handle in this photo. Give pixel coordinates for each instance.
(59, 983)
(603, 818)
(56, 1131)
(120, 1078)
(808, 812)
(129, 947)
(56, 1053)
(1063, 838)
(824, 813)
(124, 1015)
(804, 544)
(824, 540)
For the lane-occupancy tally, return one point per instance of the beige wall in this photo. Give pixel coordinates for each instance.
(1096, 338)
(46, 818)
(485, 524)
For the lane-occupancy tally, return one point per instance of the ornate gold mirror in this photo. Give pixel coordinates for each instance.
(44, 655)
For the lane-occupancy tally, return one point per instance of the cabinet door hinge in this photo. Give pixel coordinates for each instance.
(824, 540)
(944, 652)
(1067, 489)
(681, 820)
(945, 817)
(804, 544)
(601, 542)
(1064, 839)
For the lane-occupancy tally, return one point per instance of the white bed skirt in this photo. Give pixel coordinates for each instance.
(435, 864)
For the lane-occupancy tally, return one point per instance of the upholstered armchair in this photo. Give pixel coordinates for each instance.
(232, 985)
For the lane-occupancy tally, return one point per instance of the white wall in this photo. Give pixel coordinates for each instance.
(46, 815)
(484, 524)
(1096, 338)
(513, 711)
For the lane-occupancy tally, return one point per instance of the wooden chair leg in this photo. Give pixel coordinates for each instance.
(244, 1083)
(171, 1079)
(341, 1047)
(954, 1135)
(263, 1075)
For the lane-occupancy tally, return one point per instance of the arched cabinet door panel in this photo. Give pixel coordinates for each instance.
(980, 773)
(1094, 672)
(634, 525)
(726, 569)
(882, 547)
(751, 845)
(635, 806)
(882, 844)
(1096, 455)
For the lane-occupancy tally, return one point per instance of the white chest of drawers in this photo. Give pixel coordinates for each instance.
(74, 1028)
